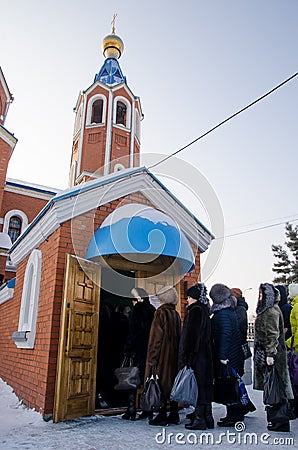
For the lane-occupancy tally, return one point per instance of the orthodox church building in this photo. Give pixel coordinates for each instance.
(78, 253)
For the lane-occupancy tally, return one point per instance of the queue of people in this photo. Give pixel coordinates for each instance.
(211, 340)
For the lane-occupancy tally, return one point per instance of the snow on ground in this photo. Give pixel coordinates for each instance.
(22, 428)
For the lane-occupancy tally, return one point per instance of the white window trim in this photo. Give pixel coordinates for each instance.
(89, 110)
(18, 213)
(31, 286)
(128, 112)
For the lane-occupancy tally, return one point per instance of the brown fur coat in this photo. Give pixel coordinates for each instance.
(163, 346)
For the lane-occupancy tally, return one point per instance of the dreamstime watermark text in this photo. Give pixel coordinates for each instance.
(229, 437)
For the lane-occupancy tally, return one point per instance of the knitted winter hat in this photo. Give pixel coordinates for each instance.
(236, 292)
(168, 294)
(198, 292)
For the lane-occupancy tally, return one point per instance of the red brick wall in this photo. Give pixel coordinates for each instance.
(32, 373)
(29, 205)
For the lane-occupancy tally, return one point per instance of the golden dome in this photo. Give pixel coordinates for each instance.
(112, 46)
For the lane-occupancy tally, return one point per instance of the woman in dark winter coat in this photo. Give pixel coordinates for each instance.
(286, 309)
(196, 351)
(137, 342)
(162, 352)
(226, 343)
(270, 339)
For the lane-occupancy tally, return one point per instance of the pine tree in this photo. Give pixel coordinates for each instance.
(286, 266)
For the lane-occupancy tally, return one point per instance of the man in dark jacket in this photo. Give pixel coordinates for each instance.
(286, 309)
(137, 342)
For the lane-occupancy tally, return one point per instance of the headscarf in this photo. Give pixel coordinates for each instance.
(168, 294)
(270, 296)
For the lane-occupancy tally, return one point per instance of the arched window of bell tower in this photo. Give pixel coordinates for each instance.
(96, 110)
(122, 112)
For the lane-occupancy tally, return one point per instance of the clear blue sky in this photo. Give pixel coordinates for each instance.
(192, 63)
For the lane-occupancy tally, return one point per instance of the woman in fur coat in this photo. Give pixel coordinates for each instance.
(196, 351)
(162, 351)
(269, 337)
(226, 344)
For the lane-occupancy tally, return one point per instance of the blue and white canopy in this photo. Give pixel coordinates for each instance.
(137, 229)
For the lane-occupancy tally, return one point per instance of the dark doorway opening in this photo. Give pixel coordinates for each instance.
(112, 334)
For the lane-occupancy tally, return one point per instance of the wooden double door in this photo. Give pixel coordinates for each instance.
(78, 342)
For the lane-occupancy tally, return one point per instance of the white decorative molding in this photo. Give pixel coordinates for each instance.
(6, 294)
(7, 137)
(109, 134)
(5, 86)
(30, 300)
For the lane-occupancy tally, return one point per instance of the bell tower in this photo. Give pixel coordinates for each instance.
(108, 118)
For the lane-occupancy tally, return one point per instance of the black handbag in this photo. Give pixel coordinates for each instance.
(128, 376)
(150, 399)
(226, 387)
(274, 392)
(185, 387)
(246, 350)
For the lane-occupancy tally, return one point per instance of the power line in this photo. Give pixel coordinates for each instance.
(226, 120)
(256, 229)
(290, 217)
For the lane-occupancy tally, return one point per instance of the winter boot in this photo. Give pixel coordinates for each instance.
(234, 414)
(145, 415)
(199, 422)
(208, 416)
(285, 426)
(250, 407)
(130, 413)
(161, 418)
(173, 417)
(191, 415)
